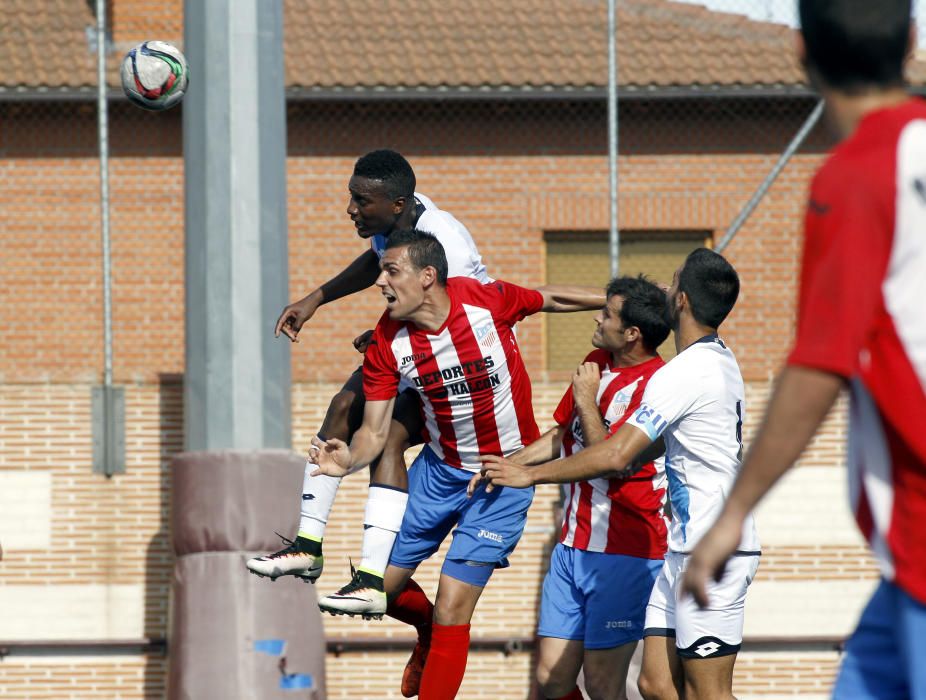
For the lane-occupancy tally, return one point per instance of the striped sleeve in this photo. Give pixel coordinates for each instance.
(380, 369)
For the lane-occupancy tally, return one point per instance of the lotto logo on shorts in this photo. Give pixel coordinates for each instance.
(495, 537)
(706, 650)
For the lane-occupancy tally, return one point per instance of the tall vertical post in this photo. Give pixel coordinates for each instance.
(236, 391)
(232, 490)
(107, 401)
(614, 232)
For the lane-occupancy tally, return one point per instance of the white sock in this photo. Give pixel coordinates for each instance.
(318, 493)
(382, 520)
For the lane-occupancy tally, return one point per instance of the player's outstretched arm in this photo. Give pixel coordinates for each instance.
(357, 276)
(336, 458)
(543, 449)
(607, 458)
(800, 402)
(559, 298)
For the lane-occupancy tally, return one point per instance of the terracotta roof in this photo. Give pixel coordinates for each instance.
(331, 45)
(532, 43)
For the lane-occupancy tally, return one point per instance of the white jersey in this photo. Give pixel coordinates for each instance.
(696, 402)
(463, 259)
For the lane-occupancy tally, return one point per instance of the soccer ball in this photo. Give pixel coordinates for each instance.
(155, 75)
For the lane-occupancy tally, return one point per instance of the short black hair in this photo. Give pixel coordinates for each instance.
(643, 307)
(389, 168)
(856, 45)
(711, 284)
(424, 250)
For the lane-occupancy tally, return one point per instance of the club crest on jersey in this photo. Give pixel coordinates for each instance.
(485, 335)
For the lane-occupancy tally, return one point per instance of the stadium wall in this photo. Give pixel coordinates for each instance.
(87, 558)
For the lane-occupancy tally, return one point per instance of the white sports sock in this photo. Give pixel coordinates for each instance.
(318, 493)
(384, 512)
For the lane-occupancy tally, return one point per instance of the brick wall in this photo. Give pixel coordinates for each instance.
(87, 557)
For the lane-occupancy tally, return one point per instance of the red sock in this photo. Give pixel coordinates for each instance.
(443, 672)
(412, 607)
(574, 694)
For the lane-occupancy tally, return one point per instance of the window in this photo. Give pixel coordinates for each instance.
(582, 258)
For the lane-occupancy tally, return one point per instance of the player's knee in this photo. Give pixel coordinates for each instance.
(600, 684)
(341, 404)
(653, 687)
(553, 683)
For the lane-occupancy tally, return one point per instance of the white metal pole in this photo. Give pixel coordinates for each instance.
(769, 180)
(103, 126)
(613, 237)
(102, 112)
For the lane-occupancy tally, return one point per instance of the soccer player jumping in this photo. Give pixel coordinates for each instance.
(696, 404)
(861, 324)
(453, 341)
(382, 200)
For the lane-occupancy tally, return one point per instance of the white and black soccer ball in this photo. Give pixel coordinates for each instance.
(155, 75)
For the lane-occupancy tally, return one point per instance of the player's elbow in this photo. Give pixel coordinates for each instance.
(614, 461)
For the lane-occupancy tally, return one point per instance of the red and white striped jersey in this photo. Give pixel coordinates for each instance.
(475, 392)
(863, 283)
(615, 516)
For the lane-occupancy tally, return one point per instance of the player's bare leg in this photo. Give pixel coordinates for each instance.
(709, 678)
(661, 677)
(303, 557)
(605, 669)
(558, 664)
(365, 593)
(606, 672)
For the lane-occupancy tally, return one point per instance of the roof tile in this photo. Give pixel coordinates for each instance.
(478, 44)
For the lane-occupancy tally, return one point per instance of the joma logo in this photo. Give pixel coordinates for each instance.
(495, 537)
(412, 358)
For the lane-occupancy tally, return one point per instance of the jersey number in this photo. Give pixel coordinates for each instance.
(739, 429)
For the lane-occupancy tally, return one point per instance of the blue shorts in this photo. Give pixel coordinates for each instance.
(488, 525)
(885, 656)
(597, 598)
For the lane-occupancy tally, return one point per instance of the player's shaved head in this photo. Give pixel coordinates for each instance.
(424, 250)
(856, 45)
(389, 168)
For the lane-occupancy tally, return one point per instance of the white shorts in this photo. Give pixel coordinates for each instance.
(700, 634)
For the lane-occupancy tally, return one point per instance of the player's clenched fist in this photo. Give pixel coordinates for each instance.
(585, 382)
(362, 341)
(331, 456)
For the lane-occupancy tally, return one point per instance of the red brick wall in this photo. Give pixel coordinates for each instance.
(507, 199)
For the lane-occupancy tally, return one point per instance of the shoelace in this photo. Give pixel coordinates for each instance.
(291, 547)
(355, 583)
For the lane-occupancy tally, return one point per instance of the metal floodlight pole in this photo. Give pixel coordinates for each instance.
(613, 234)
(769, 180)
(103, 126)
(107, 403)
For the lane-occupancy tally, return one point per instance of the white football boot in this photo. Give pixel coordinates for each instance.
(363, 596)
(291, 561)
